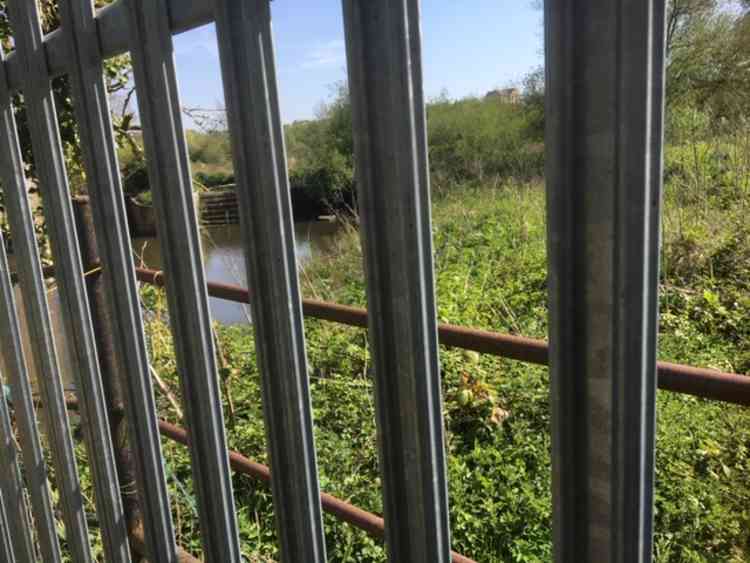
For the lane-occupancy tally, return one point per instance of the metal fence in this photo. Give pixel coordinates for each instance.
(604, 156)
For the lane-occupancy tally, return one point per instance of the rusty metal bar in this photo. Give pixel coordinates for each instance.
(604, 108)
(700, 382)
(190, 321)
(371, 523)
(703, 382)
(366, 521)
(249, 74)
(40, 332)
(383, 45)
(50, 165)
(105, 232)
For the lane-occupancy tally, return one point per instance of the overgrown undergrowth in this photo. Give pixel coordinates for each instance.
(491, 273)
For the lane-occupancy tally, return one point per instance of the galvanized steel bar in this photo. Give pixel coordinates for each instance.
(15, 514)
(370, 523)
(113, 242)
(58, 212)
(112, 28)
(171, 185)
(17, 376)
(383, 51)
(249, 73)
(604, 153)
(40, 329)
(6, 552)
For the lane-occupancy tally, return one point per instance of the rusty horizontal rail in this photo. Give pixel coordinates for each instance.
(370, 523)
(699, 382)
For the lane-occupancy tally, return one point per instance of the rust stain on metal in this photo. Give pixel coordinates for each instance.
(371, 523)
(700, 382)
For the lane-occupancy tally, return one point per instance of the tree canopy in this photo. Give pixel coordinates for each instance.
(708, 55)
(117, 72)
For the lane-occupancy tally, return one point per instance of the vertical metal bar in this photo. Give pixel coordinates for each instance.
(18, 376)
(249, 76)
(6, 552)
(113, 242)
(604, 156)
(15, 514)
(171, 185)
(383, 50)
(11, 488)
(40, 328)
(50, 163)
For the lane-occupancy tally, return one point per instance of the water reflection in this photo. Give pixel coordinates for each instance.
(223, 259)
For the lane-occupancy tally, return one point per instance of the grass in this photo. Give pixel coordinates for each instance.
(491, 273)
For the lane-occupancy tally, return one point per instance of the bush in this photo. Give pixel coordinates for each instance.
(321, 153)
(469, 140)
(209, 148)
(706, 158)
(478, 139)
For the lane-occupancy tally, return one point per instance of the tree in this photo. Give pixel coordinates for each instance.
(117, 72)
(321, 150)
(683, 16)
(533, 101)
(708, 57)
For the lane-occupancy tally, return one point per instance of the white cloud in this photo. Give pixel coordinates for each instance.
(329, 53)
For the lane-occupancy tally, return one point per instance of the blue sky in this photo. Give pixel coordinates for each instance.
(470, 47)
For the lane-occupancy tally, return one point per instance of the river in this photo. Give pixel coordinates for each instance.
(223, 259)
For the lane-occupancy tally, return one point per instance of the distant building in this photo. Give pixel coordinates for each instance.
(505, 95)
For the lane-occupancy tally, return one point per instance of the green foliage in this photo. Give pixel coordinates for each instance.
(533, 99)
(209, 148)
(707, 160)
(491, 273)
(210, 161)
(708, 45)
(469, 140)
(321, 151)
(117, 75)
(210, 157)
(482, 139)
(489, 243)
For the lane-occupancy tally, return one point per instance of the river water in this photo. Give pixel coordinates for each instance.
(224, 262)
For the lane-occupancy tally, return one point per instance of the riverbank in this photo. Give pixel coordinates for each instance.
(491, 273)
(220, 207)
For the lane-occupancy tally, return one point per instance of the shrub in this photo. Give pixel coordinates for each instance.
(477, 139)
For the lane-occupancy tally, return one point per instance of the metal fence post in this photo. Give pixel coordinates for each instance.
(5, 549)
(14, 512)
(385, 78)
(33, 289)
(604, 67)
(113, 372)
(141, 459)
(53, 182)
(17, 376)
(109, 367)
(190, 320)
(247, 57)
